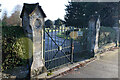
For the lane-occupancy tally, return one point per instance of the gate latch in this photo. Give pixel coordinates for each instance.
(59, 48)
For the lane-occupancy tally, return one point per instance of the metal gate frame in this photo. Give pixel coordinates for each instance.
(60, 49)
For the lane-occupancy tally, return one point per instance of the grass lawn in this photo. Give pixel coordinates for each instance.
(107, 35)
(62, 35)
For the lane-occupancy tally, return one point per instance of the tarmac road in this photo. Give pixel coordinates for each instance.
(105, 67)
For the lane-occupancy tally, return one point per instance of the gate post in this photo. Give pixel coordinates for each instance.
(33, 24)
(91, 36)
(97, 34)
(117, 36)
(38, 60)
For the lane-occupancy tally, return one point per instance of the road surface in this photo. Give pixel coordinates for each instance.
(105, 67)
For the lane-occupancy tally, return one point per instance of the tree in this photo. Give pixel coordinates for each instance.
(108, 14)
(0, 6)
(0, 22)
(48, 23)
(59, 22)
(14, 19)
(4, 18)
(78, 13)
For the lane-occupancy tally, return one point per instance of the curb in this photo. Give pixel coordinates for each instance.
(102, 51)
(74, 66)
(65, 70)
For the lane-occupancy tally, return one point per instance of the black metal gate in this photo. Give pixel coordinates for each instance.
(57, 47)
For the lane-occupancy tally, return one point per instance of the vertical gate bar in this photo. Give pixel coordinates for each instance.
(58, 33)
(90, 31)
(86, 30)
(64, 43)
(80, 30)
(61, 34)
(55, 34)
(84, 42)
(44, 44)
(48, 48)
(81, 41)
(72, 47)
(61, 42)
(64, 33)
(51, 42)
(58, 42)
(65, 36)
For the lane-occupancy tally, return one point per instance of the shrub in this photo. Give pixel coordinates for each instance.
(107, 35)
(21, 48)
(14, 47)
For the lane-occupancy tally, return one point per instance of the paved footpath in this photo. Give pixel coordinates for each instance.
(105, 67)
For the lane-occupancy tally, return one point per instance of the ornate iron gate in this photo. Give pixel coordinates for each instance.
(57, 47)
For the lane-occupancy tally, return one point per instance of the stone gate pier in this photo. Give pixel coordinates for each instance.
(33, 24)
(94, 29)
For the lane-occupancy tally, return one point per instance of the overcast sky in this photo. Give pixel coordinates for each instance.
(53, 8)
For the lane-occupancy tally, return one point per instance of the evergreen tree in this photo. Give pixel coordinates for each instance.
(48, 23)
(58, 22)
(78, 13)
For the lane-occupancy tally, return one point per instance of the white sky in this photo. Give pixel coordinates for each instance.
(53, 8)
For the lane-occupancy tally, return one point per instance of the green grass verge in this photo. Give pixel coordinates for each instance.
(62, 35)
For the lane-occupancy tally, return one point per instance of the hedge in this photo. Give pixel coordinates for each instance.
(14, 47)
(107, 35)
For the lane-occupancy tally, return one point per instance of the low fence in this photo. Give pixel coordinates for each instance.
(107, 39)
(107, 36)
(81, 50)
